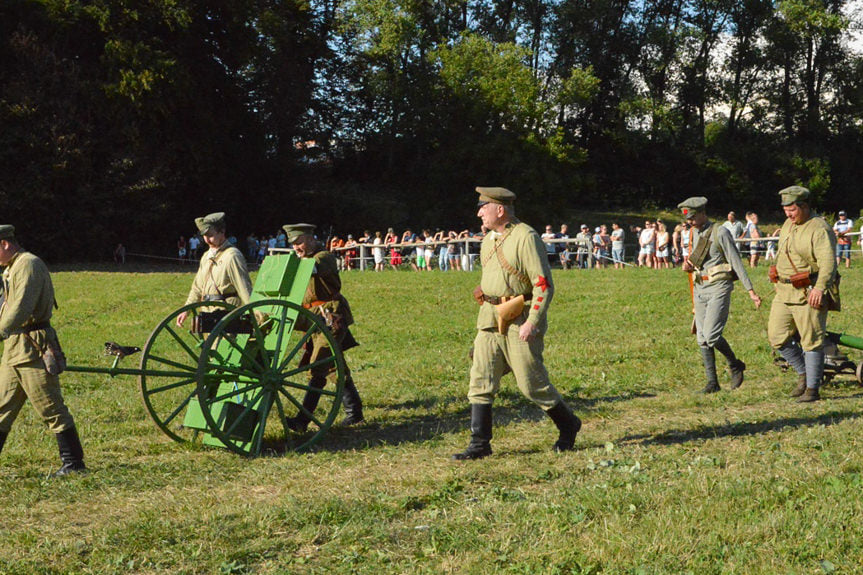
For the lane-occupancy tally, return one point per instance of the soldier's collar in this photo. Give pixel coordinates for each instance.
(706, 225)
(14, 258)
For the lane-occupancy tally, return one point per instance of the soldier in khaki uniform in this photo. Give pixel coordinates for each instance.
(323, 296)
(805, 257)
(515, 293)
(714, 262)
(25, 317)
(222, 274)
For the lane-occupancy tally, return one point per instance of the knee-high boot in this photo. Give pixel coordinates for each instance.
(480, 433)
(352, 403)
(708, 358)
(735, 366)
(3, 436)
(300, 422)
(568, 424)
(71, 452)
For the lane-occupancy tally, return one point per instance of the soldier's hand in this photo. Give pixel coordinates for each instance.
(181, 319)
(527, 331)
(687, 266)
(815, 297)
(755, 298)
(477, 294)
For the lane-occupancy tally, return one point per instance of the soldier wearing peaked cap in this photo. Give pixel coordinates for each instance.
(807, 285)
(25, 325)
(514, 296)
(714, 263)
(323, 296)
(222, 274)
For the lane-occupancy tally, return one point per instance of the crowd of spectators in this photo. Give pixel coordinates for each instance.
(654, 246)
(443, 250)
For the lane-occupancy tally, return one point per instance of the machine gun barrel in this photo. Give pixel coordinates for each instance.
(851, 341)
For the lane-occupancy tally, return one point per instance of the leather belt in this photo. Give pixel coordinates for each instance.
(218, 296)
(497, 300)
(32, 327)
(813, 277)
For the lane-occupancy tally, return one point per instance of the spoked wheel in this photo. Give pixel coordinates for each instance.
(242, 376)
(168, 381)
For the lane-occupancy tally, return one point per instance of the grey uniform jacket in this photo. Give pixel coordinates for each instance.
(722, 251)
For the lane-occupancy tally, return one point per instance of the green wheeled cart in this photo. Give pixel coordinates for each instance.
(230, 376)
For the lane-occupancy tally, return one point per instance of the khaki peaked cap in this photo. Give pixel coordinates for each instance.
(205, 223)
(794, 194)
(495, 196)
(294, 231)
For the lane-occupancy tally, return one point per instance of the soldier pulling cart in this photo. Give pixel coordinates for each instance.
(230, 376)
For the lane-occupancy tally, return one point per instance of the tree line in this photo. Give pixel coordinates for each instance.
(122, 121)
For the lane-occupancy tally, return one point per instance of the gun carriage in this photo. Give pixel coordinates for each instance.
(229, 377)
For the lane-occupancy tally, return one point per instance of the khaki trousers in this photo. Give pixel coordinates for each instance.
(788, 318)
(30, 381)
(492, 351)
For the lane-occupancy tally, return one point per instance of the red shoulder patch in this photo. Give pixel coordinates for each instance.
(542, 283)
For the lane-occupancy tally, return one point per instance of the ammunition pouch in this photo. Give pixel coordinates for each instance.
(719, 272)
(700, 253)
(773, 274)
(802, 280)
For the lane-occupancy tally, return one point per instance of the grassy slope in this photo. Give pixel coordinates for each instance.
(663, 480)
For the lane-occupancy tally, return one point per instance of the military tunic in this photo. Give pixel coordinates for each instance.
(222, 274)
(808, 247)
(523, 251)
(714, 282)
(323, 297)
(29, 301)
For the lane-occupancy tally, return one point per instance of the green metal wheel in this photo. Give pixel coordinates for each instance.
(242, 376)
(169, 364)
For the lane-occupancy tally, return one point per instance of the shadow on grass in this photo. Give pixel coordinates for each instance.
(510, 407)
(678, 436)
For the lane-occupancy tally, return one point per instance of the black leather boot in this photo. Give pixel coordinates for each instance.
(3, 436)
(480, 433)
(300, 422)
(736, 369)
(71, 453)
(708, 358)
(568, 425)
(352, 403)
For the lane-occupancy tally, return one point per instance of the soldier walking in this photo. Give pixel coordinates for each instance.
(222, 274)
(514, 295)
(807, 285)
(323, 297)
(715, 263)
(25, 325)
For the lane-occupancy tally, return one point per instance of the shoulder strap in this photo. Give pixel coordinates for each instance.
(507, 267)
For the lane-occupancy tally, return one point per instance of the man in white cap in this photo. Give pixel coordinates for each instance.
(843, 243)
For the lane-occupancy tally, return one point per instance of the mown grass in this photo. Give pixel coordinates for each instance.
(663, 480)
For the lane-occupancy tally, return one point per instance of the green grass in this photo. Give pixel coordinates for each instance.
(662, 481)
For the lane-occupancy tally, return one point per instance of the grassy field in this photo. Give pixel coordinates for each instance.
(663, 480)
